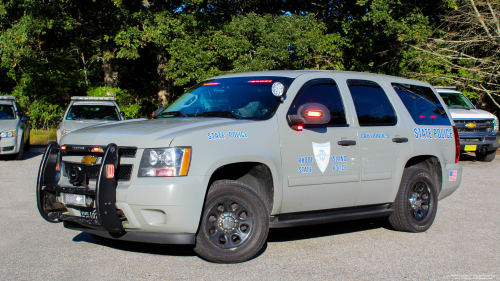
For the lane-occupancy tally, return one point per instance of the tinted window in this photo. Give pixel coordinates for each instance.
(247, 97)
(7, 112)
(325, 93)
(94, 112)
(372, 105)
(422, 104)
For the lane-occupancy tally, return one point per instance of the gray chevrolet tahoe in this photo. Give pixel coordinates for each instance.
(238, 154)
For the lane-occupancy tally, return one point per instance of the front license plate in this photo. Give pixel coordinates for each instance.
(470, 147)
(88, 214)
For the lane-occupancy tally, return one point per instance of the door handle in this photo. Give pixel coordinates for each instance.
(346, 142)
(400, 140)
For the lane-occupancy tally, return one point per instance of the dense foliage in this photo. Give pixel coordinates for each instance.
(148, 52)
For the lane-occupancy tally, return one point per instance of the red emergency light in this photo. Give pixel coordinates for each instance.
(314, 113)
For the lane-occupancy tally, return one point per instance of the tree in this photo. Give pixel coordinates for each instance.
(465, 52)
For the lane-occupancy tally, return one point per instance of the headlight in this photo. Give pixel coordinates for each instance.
(8, 134)
(65, 133)
(165, 162)
(495, 125)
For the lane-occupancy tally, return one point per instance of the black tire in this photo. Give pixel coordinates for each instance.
(416, 203)
(27, 146)
(20, 154)
(485, 157)
(234, 224)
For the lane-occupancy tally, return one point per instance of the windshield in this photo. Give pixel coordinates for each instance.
(240, 97)
(456, 100)
(93, 112)
(7, 112)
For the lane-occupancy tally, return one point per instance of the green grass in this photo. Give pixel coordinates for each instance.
(42, 137)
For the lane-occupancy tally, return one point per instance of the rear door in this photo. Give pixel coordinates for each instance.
(318, 172)
(383, 139)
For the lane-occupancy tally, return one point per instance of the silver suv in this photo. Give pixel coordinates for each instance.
(14, 129)
(240, 153)
(88, 111)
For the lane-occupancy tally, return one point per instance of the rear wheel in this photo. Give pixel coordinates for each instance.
(234, 224)
(485, 157)
(416, 203)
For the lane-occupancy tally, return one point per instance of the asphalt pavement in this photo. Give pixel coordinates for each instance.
(462, 244)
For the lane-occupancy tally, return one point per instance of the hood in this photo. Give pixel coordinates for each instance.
(459, 113)
(143, 133)
(7, 124)
(72, 125)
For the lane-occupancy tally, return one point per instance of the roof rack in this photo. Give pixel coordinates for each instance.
(7, 98)
(93, 98)
(446, 87)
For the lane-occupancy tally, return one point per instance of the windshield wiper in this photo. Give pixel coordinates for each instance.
(174, 113)
(221, 113)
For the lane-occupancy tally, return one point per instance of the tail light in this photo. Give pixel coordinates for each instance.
(457, 144)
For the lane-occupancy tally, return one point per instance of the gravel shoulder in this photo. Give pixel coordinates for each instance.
(462, 243)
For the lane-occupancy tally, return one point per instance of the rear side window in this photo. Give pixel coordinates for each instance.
(372, 105)
(324, 92)
(422, 104)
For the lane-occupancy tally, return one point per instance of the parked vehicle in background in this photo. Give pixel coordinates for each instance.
(240, 153)
(14, 129)
(477, 128)
(88, 111)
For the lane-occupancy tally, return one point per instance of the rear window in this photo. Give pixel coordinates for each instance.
(93, 112)
(422, 104)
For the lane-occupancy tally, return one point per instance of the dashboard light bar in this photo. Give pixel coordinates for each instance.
(433, 116)
(211, 84)
(421, 116)
(261, 81)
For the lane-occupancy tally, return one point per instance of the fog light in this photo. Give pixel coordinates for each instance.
(74, 199)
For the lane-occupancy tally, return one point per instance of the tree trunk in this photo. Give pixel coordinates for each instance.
(165, 86)
(109, 80)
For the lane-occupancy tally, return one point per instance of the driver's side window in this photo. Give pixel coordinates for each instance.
(325, 92)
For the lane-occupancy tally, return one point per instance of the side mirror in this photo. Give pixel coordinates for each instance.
(122, 113)
(58, 119)
(25, 119)
(158, 111)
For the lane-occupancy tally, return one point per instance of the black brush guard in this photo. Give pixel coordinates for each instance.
(104, 193)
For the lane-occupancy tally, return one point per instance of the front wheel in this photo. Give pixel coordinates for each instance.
(20, 154)
(234, 224)
(416, 203)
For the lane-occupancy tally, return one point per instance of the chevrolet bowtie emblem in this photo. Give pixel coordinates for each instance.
(89, 160)
(470, 125)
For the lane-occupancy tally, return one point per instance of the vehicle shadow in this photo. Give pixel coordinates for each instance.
(276, 235)
(137, 247)
(467, 157)
(34, 152)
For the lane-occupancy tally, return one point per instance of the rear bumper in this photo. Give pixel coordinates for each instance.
(452, 177)
(484, 143)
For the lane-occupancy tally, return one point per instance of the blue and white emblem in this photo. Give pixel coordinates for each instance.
(322, 154)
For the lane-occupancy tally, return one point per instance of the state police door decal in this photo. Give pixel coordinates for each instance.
(322, 154)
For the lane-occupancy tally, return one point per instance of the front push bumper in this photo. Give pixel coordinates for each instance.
(107, 222)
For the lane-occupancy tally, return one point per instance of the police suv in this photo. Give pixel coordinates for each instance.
(88, 111)
(240, 153)
(14, 129)
(477, 128)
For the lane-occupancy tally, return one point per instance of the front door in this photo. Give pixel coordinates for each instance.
(320, 164)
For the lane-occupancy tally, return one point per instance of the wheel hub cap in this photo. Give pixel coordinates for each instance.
(227, 222)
